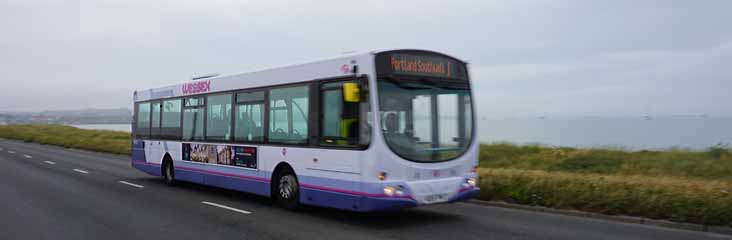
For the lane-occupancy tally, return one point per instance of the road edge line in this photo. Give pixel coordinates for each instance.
(615, 218)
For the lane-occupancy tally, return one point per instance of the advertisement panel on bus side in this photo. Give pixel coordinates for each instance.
(238, 156)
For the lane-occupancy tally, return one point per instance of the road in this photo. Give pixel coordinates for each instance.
(54, 193)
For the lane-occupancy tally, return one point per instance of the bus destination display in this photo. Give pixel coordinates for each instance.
(433, 66)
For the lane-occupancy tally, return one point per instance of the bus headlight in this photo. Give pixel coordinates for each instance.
(389, 191)
(393, 191)
(471, 182)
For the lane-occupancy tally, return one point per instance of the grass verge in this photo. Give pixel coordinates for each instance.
(70, 137)
(677, 199)
(713, 164)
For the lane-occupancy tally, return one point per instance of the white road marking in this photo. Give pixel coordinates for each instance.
(131, 184)
(81, 171)
(49, 162)
(27, 156)
(11, 152)
(227, 207)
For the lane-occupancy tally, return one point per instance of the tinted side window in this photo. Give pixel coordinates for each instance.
(218, 121)
(170, 126)
(288, 115)
(155, 122)
(249, 117)
(193, 119)
(143, 120)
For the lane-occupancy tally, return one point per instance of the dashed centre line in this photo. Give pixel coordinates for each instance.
(49, 162)
(11, 152)
(27, 156)
(81, 171)
(227, 207)
(131, 184)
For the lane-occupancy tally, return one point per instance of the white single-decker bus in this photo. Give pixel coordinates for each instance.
(367, 131)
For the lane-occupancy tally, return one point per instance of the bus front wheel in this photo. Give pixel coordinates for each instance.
(288, 190)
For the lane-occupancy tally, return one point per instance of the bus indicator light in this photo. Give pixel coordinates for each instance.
(345, 68)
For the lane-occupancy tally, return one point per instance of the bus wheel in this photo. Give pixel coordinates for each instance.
(288, 190)
(168, 173)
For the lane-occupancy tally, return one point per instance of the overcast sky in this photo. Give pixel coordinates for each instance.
(577, 58)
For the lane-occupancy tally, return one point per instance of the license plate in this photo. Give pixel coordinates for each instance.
(435, 198)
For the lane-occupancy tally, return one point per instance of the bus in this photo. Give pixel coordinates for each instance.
(365, 131)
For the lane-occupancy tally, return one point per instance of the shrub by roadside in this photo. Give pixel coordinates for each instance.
(677, 199)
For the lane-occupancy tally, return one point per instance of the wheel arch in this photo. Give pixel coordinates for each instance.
(281, 167)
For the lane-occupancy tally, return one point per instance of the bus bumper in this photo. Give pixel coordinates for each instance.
(373, 204)
(466, 194)
(376, 204)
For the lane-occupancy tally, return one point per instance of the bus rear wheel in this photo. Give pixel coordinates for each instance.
(287, 189)
(168, 173)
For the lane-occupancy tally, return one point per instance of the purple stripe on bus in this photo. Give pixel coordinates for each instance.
(145, 163)
(303, 185)
(352, 192)
(463, 189)
(365, 194)
(224, 174)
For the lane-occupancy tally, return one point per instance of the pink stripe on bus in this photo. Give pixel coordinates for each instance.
(268, 180)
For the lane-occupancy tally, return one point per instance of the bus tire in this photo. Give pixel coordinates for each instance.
(168, 171)
(287, 189)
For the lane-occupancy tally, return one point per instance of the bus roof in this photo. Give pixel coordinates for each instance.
(313, 69)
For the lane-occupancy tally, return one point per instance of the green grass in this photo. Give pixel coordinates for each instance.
(678, 199)
(680, 185)
(675, 184)
(712, 164)
(70, 137)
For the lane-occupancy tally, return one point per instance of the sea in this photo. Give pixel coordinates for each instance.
(615, 133)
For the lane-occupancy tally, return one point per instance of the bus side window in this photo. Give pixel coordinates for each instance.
(193, 112)
(155, 122)
(143, 120)
(288, 114)
(249, 117)
(218, 117)
(170, 127)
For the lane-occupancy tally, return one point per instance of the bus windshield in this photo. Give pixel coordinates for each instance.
(424, 121)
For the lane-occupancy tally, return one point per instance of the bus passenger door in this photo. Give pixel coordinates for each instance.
(154, 147)
(339, 129)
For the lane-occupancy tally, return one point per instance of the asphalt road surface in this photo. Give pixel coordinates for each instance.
(49, 192)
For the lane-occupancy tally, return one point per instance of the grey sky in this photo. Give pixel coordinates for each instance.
(609, 58)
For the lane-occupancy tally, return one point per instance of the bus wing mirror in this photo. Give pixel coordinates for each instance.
(351, 92)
